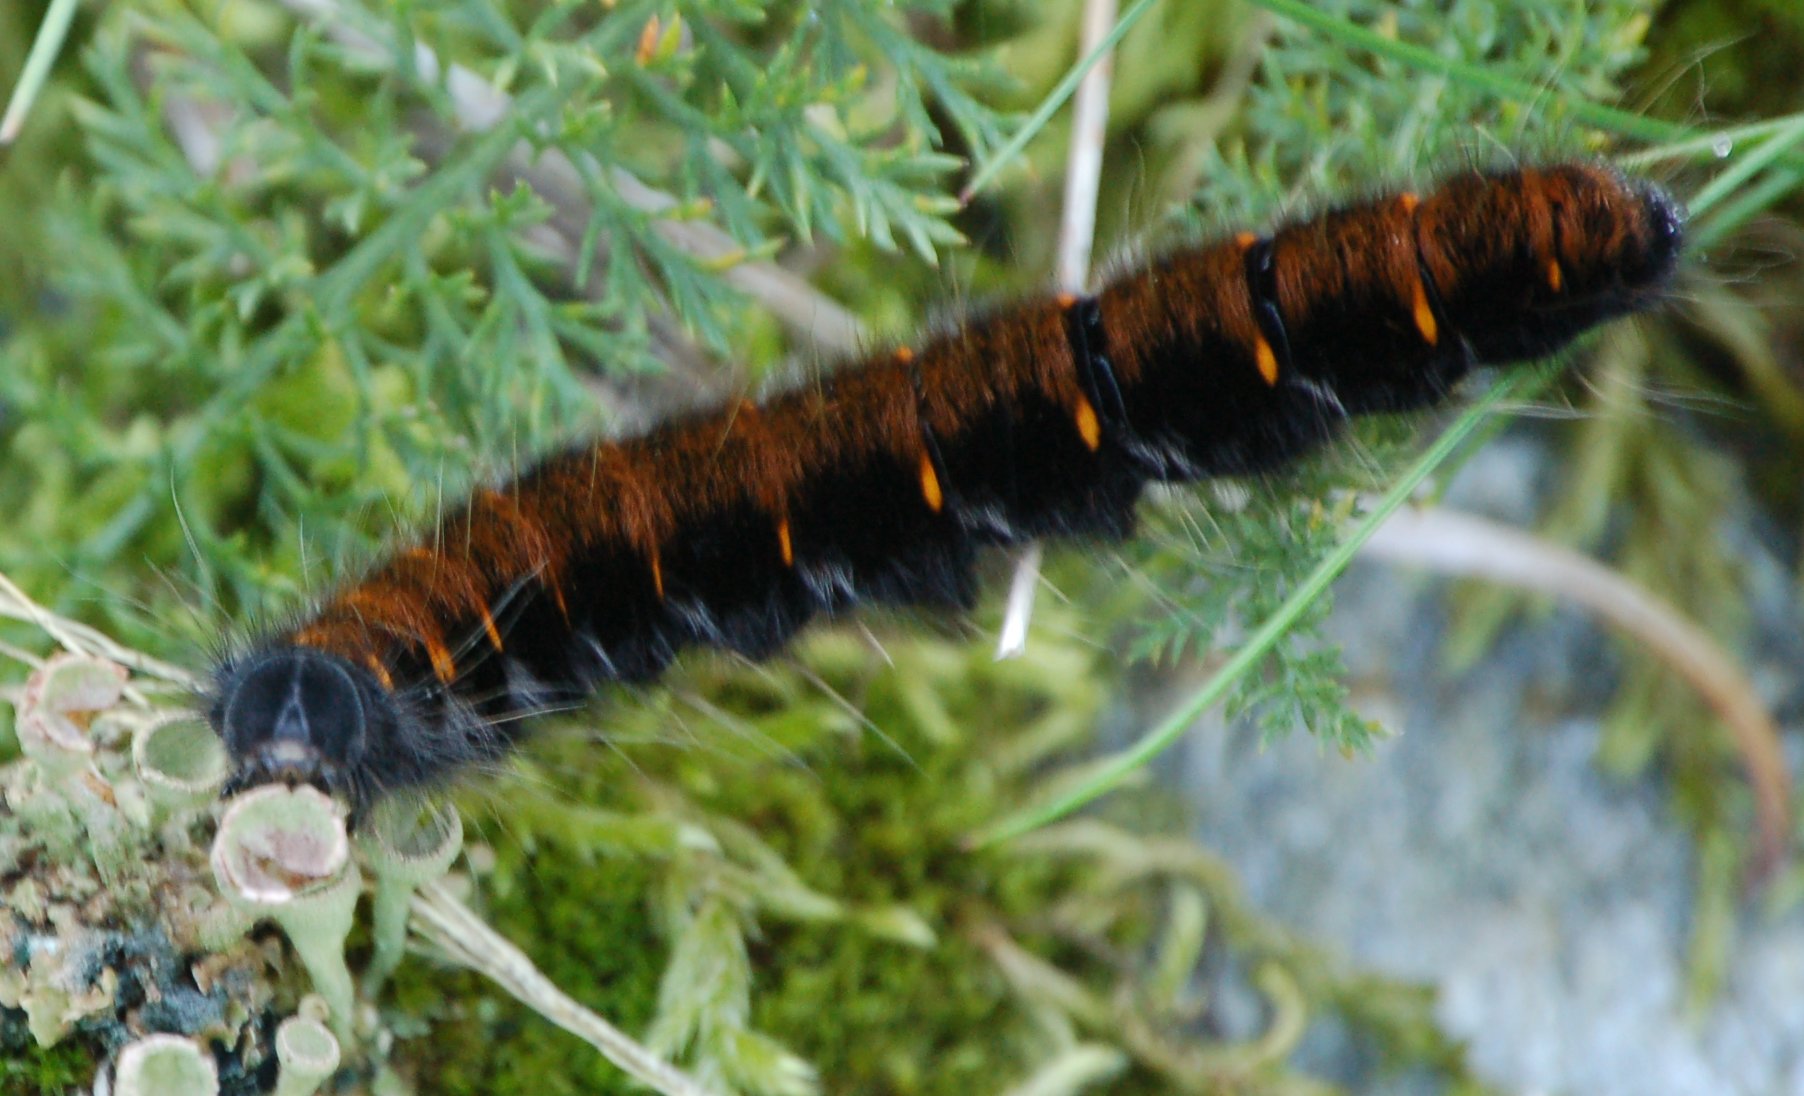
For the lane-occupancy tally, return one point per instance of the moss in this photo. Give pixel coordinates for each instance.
(875, 816)
(588, 930)
(27, 1069)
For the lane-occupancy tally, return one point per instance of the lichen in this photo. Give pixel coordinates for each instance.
(102, 951)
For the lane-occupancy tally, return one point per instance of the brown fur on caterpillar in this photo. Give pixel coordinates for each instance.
(735, 527)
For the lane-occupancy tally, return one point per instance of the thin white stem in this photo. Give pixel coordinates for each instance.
(1018, 610)
(1077, 237)
(81, 639)
(1083, 160)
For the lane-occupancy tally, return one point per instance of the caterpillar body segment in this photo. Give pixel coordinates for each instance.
(884, 481)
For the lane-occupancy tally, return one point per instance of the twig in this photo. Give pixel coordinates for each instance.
(449, 924)
(481, 106)
(81, 639)
(21, 655)
(1049, 106)
(1083, 160)
(1462, 544)
(1077, 237)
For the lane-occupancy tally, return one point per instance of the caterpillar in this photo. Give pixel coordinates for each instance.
(882, 482)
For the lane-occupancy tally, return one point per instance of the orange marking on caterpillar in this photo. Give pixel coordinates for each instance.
(1266, 359)
(1426, 324)
(1556, 278)
(657, 575)
(488, 625)
(783, 543)
(557, 595)
(381, 671)
(1065, 300)
(1420, 310)
(930, 484)
(442, 665)
(1245, 240)
(904, 355)
(1088, 426)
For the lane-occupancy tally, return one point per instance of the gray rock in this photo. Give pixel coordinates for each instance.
(1482, 852)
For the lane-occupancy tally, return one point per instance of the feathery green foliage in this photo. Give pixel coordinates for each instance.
(292, 279)
(1325, 119)
(297, 277)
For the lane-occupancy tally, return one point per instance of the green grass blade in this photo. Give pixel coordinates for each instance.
(1050, 105)
(1626, 123)
(1113, 772)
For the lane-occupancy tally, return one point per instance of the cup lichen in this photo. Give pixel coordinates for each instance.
(58, 703)
(283, 853)
(166, 1065)
(406, 844)
(306, 1050)
(181, 762)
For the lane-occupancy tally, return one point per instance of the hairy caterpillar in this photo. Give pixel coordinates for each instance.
(881, 482)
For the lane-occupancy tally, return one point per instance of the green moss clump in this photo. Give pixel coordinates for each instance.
(796, 880)
(27, 1069)
(596, 942)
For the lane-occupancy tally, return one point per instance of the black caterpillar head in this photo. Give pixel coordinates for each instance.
(1526, 260)
(1615, 237)
(300, 716)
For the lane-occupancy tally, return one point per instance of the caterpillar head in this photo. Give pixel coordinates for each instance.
(299, 716)
(1524, 261)
(1612, 237)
